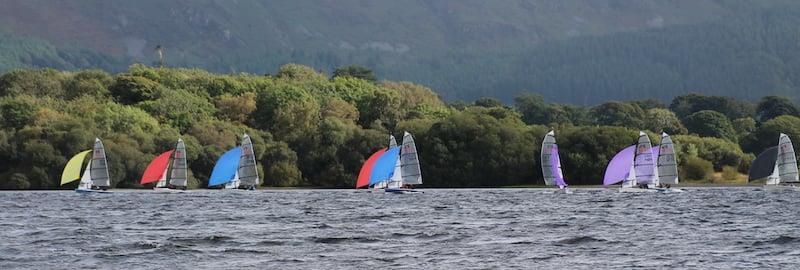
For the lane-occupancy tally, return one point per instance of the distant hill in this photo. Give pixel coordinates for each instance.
(583, 52)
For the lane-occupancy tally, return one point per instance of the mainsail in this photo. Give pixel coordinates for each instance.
(410, 170)
(787, 162)
(620, 168)
(226, 168)
(99, 171)
(157, 168)
(548, 144)
(179, 175)
(248, 173)
(643, 163)
(366, 169)
(72, 171)
(667, 161)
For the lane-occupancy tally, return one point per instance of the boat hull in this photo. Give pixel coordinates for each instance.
(168, 190)
(401, 190)
(670, 190)
(87, 191)
(563, 191)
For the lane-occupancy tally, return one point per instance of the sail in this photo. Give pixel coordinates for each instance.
(787, 161)
(248, 173)
(667, 161)
(72, 171)
(157, 168)
(226, 167)
(555, 167)
(162, 182)
(619, 168)
(397, 176)
(384, 166)
(179, 175)
(392, 141)
(366, 169)
(99, 170)
(86, 179)
(411, 171)
(764, 165)
(546, 155)
(643, 163)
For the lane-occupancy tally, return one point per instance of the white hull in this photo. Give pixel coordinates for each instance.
(84, 190)
(563, 191)
(670, 190)
(168, 190)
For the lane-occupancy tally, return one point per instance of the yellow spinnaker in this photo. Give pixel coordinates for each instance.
(72, 171)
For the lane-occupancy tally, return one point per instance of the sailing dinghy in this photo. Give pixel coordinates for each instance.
(407, 171)
(667, 164)
(95, 176)
(777, 166)
(157, 170)
(551, 164)
(236, 169)
(394, 169)
(635, 167)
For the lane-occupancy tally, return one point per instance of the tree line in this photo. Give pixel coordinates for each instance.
(314, 130)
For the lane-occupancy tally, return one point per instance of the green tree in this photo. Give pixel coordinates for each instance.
(773, 106)
(712, 124)
(658, 120)
(355, 71)
(618, 114)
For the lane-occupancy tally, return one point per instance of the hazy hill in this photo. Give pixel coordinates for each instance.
(567, 50)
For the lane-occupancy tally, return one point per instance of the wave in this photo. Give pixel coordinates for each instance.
(340, 240)
(213, 239)
(780, 240)
(580, 240)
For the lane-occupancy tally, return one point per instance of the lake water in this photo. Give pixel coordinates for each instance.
(705, 228)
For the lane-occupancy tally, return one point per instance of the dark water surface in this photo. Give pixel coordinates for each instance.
(709, 228)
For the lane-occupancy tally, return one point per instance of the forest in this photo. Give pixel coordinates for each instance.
(311, 129)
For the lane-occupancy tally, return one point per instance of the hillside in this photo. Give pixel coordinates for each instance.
(566, 50)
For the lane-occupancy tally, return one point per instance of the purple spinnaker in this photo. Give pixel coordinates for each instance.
(555, 165)
(619, 166)
(656, 151)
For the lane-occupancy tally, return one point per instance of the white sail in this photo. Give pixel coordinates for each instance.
(547, 146)
(774, 178)
(86, 178)
(392, 141)
(179, 175)
(630, 181)
(162, 182)
(233, 184)
(397, 178)
(99, 170)
(787, 161)
(667, 161)
(643, 161)
(410, 169)
(247, 171)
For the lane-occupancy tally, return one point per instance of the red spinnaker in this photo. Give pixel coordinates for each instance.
(156, 168)
(366, 170)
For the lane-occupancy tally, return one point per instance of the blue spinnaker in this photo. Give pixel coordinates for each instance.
(384, 167)
(226, 167)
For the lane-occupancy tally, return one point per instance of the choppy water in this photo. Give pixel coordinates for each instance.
(440, 229)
